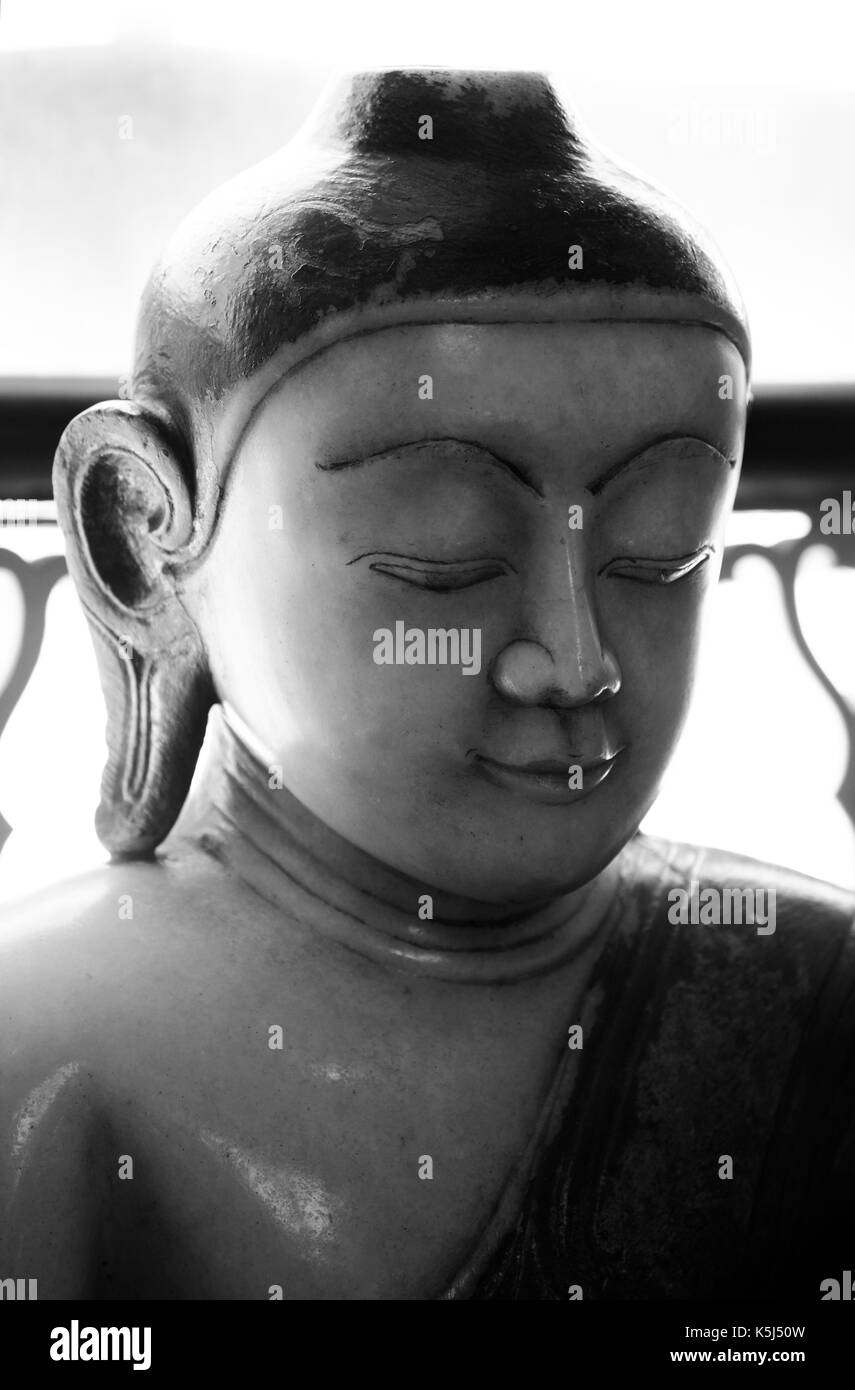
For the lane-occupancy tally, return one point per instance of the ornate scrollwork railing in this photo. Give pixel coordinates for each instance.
(36, 579)
(786, 558)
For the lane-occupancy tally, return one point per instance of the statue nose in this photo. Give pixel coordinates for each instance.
(526, 672)
(561, 660)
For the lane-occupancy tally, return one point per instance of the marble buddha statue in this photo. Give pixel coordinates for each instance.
(394, 555)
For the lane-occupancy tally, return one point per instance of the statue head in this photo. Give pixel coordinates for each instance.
(433, 426)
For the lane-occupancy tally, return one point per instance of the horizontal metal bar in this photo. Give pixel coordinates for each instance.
(34, 411)
(798, 449)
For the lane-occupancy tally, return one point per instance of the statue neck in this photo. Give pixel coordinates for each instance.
(287, 855)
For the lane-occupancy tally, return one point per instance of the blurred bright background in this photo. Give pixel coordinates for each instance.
(116, 118)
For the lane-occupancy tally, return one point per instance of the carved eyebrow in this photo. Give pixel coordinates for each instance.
(604, 479)
(458, 446)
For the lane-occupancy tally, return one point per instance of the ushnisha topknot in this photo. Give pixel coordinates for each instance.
(412, 196)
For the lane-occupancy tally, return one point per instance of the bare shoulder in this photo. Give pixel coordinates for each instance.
(116, 944)
(130, 891)
(105, 928)
(105, 980)
(91, 966)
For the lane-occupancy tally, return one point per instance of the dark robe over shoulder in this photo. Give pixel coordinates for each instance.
(701, 1043)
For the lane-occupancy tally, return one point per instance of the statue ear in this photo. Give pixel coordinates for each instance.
(126, 510)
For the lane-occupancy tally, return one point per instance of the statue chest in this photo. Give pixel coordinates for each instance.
(351, 1163)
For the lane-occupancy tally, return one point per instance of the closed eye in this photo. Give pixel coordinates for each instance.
(440, 576)
(648, 571)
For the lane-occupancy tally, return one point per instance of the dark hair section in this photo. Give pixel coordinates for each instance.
(359, 209)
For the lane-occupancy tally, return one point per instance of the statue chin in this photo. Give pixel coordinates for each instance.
(433, 427)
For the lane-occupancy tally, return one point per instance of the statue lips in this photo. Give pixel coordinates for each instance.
(548, 779)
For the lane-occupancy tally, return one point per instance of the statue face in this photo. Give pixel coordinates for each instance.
(551, 502)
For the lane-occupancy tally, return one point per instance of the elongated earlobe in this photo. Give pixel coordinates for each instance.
(127, 513)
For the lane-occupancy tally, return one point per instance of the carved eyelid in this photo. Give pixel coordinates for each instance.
(670, 571)
(439, 574)
(420, 564)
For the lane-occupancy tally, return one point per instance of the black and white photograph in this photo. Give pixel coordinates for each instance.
(427, 671)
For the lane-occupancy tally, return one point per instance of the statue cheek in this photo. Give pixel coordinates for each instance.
(657, 650)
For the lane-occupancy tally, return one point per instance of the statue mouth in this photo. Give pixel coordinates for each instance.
(555, 782)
